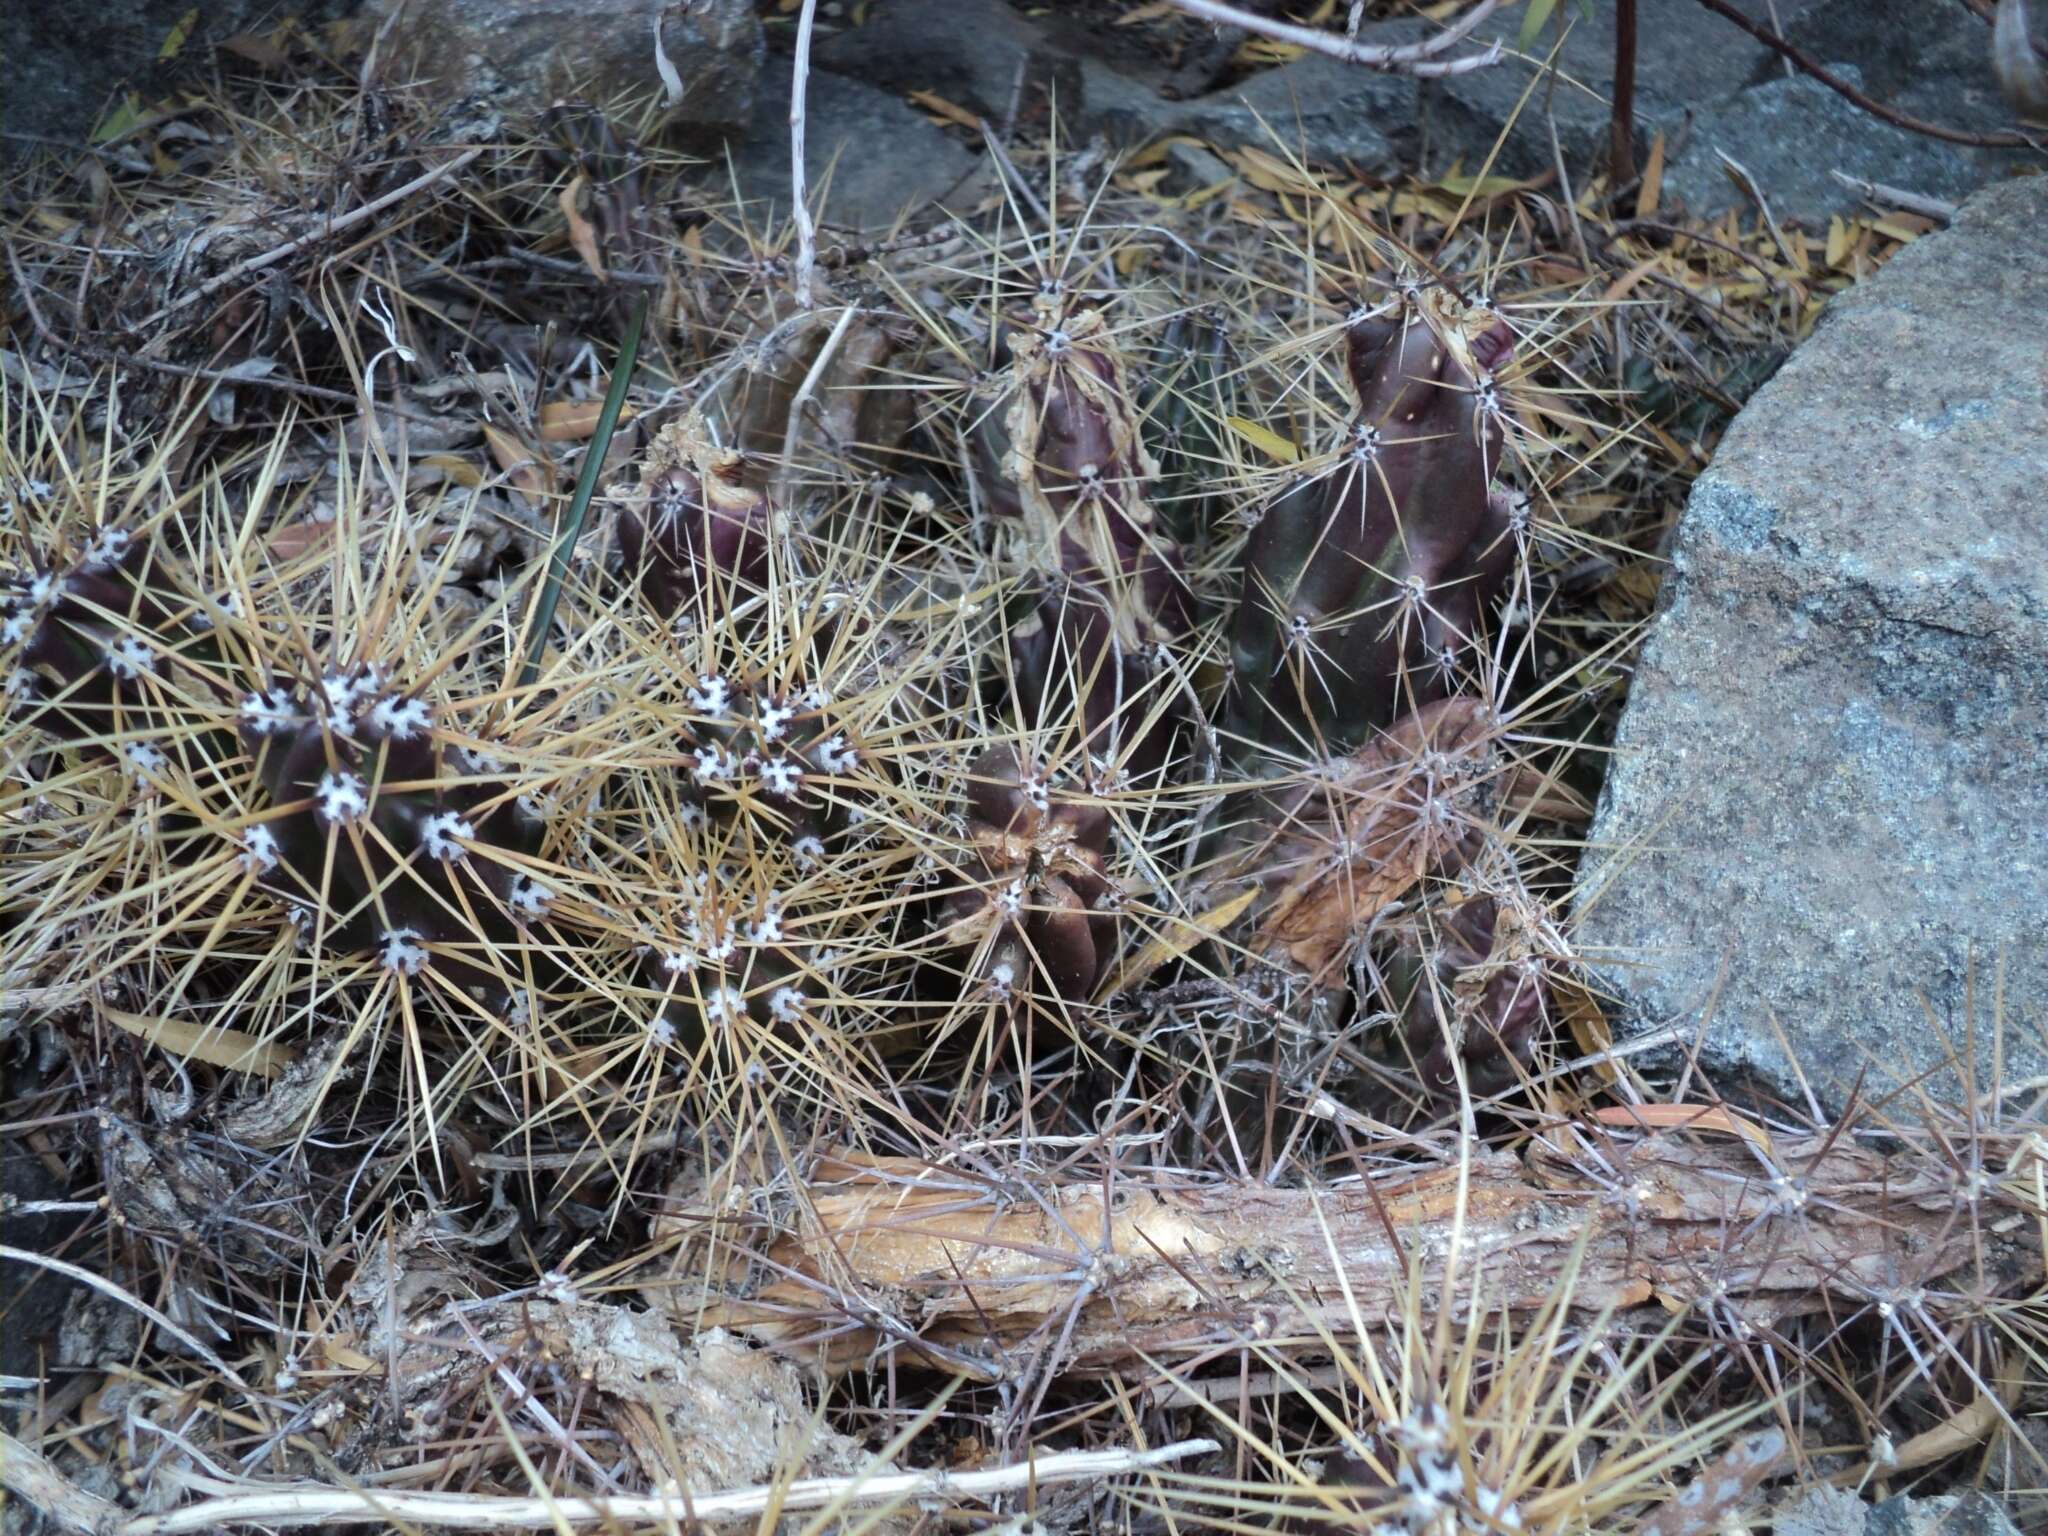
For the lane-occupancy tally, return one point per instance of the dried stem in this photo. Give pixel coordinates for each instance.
(28, 1473)
(1675, 1219)
(1407, 59)
(1621, 150)
(800, 209)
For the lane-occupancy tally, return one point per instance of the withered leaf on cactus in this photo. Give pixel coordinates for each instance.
(693, 529)
(1340, 843)
(851, 409)
(1042, 901)
(1110, 586)
(1364, 588)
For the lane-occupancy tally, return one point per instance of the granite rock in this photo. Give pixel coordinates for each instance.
(1828, 809)
(871, 156)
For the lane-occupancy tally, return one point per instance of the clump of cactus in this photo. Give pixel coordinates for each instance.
(93, 643)
(1366, 587)
(385, 837)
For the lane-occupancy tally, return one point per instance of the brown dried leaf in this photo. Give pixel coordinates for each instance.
(571, 421)
(527, 470)
(582, 234)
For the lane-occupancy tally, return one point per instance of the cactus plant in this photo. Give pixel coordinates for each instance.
(1478, 988)
(693, 530)
(1105, 593)
(1040, 903)
(1364, 588)
(375, 838)
(92, 644)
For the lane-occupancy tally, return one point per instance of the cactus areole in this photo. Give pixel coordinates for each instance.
(1366, 586)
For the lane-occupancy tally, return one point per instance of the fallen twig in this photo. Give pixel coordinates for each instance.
(1897, 197)
(28, 1473)
(1675, 1219)
(1407, 59)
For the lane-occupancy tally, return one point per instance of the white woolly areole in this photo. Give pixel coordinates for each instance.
(781, 778)
(14, 629)
(42, 590)
(836, 754)
(786, 1005)
(439, 834)
(773, 721)
(270, 712)
(140, 758)
(107, 547)
(809, 851)
(710, 695)
(341, 797)
(402, 718)
(767, 928)
(724, 1005)
(531, 899)
(714, 765)
(130, 656)
(404, 951)
(259, 850)
(341, 692)
(20, 683)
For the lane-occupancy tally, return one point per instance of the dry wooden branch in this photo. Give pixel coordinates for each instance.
(28, 1473)
(972, 1267)
(1407, 59)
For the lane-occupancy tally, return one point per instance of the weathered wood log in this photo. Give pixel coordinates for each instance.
(983, 1271)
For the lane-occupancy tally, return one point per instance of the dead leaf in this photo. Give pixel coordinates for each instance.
(1651, 192)
(527, 470)
(952, 112)
(216, 1045)
(571, 421)
(294, 539)
(1683, 1117)
(581, 234)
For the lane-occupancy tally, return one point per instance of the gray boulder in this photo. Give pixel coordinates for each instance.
(526, 53)
(62, 65)
(1956, 1514)
(1828, 810)
(873, 157)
